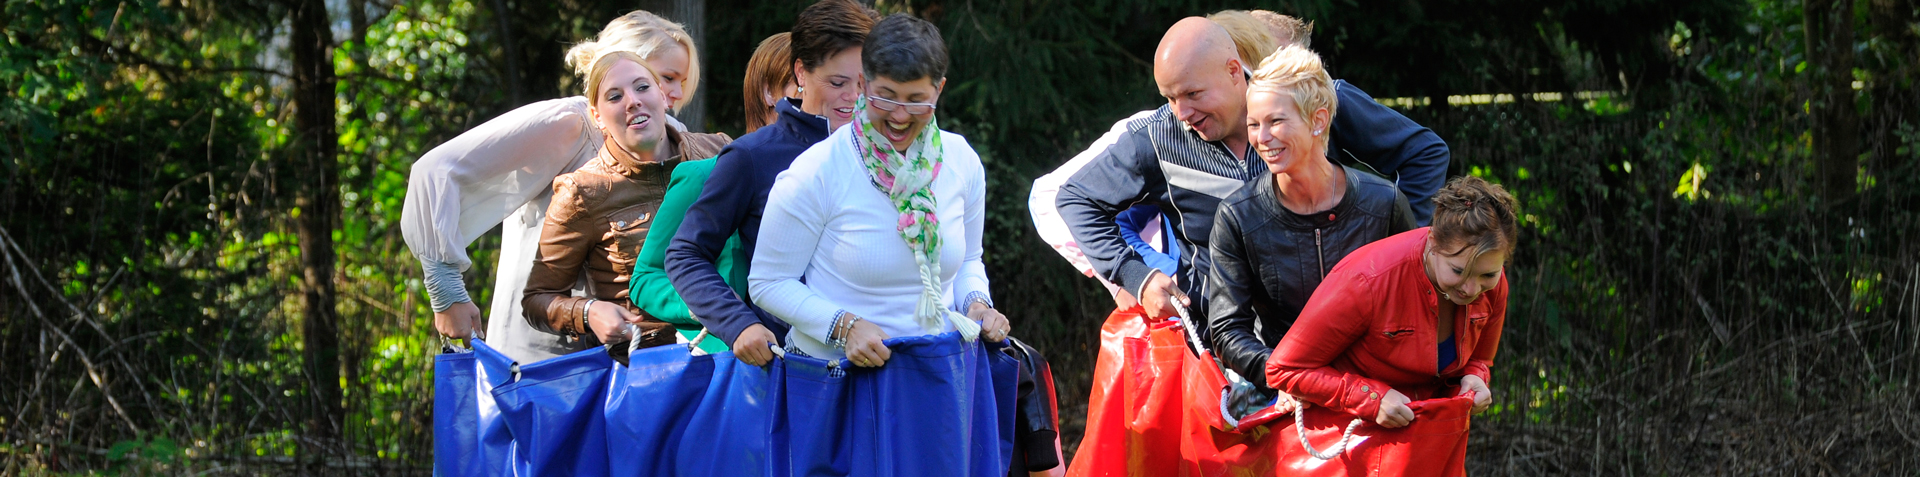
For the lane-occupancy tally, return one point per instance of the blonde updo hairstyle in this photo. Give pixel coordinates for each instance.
(1471, 212)
(1297, 72)
(643, 34)
(1251, 37)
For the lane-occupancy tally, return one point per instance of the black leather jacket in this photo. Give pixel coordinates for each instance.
(1267, 261)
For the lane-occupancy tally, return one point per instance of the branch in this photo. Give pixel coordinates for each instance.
(92, 373)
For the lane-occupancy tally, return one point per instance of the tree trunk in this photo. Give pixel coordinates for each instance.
(691, 14)
(1891, 66)
(316, 176)
(509, 50)
(1836, 125)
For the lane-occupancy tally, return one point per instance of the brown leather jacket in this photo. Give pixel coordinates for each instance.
(594, 228)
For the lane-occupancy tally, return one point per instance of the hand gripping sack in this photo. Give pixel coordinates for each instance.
(1267, 441)
(469, 436)
(556, 410)
(1434, 445)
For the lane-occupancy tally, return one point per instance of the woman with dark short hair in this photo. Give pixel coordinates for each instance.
(1415, 316)
(880, 225)
(882, 218)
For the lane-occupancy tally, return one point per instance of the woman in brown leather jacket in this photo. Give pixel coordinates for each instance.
(601, 213)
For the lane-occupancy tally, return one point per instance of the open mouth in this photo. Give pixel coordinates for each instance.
(1271, 155)
(844, 113)
(896, 132)
(639, 121)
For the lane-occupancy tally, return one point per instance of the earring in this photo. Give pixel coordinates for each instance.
(801, 89)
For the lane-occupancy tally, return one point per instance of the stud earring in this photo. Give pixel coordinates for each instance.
(801, 89)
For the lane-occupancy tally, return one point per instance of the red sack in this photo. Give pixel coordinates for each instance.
(1103, 446)
(1267, 443)
(1212, 446)
(1133, 412)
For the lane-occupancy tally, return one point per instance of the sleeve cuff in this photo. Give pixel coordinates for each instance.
(445, 286)
(971, 297)
(1133, 275)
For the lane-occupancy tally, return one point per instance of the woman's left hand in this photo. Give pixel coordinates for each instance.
(1482, 397)
(993, 325)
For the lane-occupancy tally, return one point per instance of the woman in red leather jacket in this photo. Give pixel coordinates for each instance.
(1411, 317)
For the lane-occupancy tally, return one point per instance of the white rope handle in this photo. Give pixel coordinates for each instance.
(1300, 425)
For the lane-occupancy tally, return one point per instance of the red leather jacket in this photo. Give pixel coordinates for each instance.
(1371, 326)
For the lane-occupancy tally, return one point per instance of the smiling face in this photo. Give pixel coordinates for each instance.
(671, 62)
(900, 126)
(629, 106)
(1283, 137)
(1206, 99)
(1197, 70)
(831, 89)
(1463, 275)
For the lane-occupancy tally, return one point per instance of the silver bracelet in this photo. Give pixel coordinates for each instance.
(584, 329)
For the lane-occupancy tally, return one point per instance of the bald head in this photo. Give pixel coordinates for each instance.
(1194, 41)
(1197, 69)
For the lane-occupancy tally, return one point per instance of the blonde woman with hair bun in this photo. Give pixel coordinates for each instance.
(664, 45)
(1278, 236)
(501, 173)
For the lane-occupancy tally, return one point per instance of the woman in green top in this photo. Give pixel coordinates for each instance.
(650, 289)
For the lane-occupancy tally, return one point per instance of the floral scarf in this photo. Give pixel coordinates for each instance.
(907, 179)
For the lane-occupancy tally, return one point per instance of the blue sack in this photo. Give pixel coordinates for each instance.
(960, 399)
(671, 413)
(469, 436)
(557, 413)
(812, 428)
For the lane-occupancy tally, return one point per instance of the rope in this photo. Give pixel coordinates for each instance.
(1299, 408)
(1300, 425)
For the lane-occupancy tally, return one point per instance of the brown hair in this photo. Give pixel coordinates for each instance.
(1469, 211)
(1286, 29)
(770, 70)
(828, 27)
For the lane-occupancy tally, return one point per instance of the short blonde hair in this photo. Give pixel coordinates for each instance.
(644, 34)
(1285, 29)
(1298, 72)
(598, 68)
(1251, 38)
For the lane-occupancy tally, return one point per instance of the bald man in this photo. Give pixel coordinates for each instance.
(1182, 158)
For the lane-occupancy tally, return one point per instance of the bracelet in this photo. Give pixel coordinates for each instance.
(977, 297)
(835, 336)
(583, 316)
(842, 326)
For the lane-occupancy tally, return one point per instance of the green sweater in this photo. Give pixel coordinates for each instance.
(651, 291)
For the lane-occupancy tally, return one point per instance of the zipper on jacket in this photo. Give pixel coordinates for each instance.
(1321, 251)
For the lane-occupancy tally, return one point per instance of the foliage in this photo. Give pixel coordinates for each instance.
(151, 279)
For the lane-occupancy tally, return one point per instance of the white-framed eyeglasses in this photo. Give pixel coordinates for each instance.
(889, 105)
